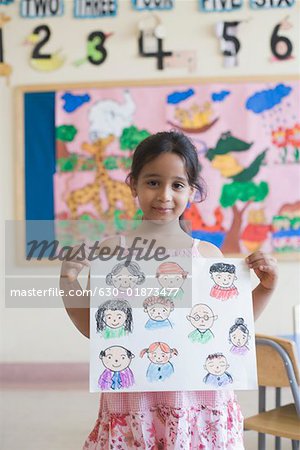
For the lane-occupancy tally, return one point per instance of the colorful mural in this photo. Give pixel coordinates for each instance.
(247, 137)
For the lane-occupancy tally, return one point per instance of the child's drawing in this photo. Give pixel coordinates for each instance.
(239, 337)
(114, 319)
(216, 365)
(160, 367)
(171, 278)
(224, 277)
(158, 309)
(125, 276)
(202, 318)
(117, 374)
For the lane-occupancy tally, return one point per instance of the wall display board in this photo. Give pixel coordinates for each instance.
(246, 134)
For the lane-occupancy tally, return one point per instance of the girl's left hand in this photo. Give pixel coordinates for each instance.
(265, 267)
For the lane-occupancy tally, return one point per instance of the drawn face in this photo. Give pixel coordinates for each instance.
(158, 312)
(159, 356)
(238, 338)
(124, 280)
(223, 279)
(216, 366)
(114, 319)
(202, 317)
(116, 359)
(162, 188)
(171, 280)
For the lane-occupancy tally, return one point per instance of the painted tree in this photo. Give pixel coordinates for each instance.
(242, 190)
(66, 161)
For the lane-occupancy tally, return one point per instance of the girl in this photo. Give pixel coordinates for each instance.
(160, 366)
(238, 337)
(114, 319)
(164, 177)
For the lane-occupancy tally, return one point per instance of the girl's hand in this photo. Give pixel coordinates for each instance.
(265, 267)
(71, 267)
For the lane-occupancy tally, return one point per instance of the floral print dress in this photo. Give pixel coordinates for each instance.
(191, 420)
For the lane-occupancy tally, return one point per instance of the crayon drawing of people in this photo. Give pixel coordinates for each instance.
(171, 278)
(114, 319)
(223, 276)
(117, 374)
(216, 365)
(238, 337)
(125, 276)
(158, 309)
(202, 318)
(160, 367)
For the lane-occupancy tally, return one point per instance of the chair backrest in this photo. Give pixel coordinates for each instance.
(271, 369)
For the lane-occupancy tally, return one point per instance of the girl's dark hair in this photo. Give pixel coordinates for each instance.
(239, 324)
(169, 142)
(114, 305)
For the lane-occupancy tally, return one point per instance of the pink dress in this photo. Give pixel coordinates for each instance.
(193, 420)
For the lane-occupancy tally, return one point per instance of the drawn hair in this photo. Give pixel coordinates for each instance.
(239, 324)
(158, 300)
(214, 356)
(162, 345)
(132, 267)
(114, 305)
(168, 268)
(222, 267)
(103, 352)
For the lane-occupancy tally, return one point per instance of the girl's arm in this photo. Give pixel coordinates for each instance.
(263, 265)
(78, 306)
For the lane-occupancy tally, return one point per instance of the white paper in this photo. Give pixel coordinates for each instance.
(157, 348)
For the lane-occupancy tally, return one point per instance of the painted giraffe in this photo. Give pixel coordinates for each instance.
(115, 190)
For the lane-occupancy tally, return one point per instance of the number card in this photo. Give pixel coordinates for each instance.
(94, 9)
(220, 5)
(142, 5)
(267, 4)
(154, 329)
(41, 8)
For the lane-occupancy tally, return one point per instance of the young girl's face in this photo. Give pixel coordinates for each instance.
(159, 357)
(114, 319)
(162, 188)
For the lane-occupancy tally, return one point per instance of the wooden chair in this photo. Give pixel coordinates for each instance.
(277, 366)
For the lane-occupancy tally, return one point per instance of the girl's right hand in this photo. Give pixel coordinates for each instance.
(72, 267)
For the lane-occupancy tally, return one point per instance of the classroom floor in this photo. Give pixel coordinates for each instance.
(61, 419)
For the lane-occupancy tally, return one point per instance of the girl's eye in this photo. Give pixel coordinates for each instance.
(152, 183)
(178, 186)
(109, 357)
(119, 317)
(123, 357)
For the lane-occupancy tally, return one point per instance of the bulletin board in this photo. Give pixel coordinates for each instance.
(246, 132)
